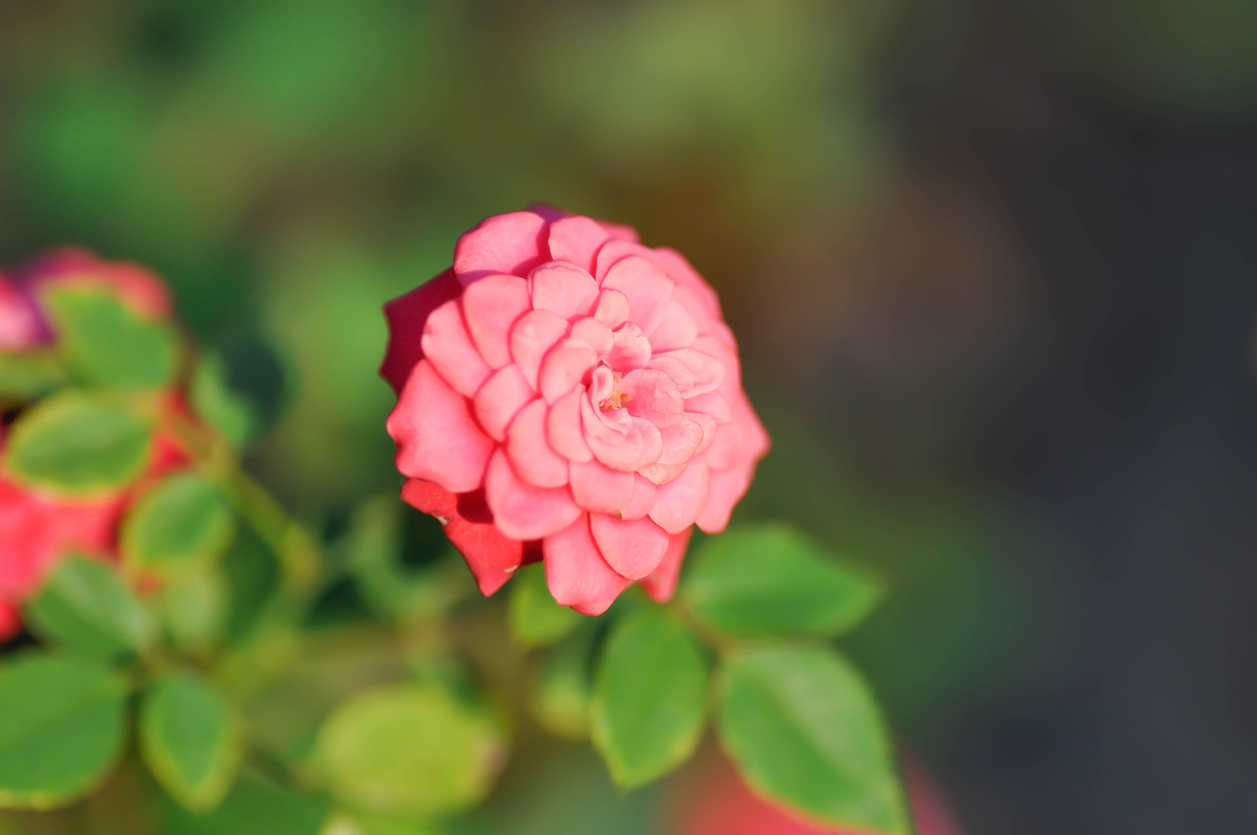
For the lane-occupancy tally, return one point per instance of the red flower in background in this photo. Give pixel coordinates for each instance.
(566, 393)
(37, 528)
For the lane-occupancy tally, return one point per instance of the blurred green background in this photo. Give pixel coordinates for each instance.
(921, 219)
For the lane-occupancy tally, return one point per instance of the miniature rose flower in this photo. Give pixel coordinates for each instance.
(37, 528)
(566, 393)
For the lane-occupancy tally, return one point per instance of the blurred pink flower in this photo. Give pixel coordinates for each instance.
(568, 394)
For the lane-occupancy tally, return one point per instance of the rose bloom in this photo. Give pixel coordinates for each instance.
(37, 528)
(566, 393)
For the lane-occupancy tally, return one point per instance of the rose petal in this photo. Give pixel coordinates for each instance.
(490, 308)
(522, 510)
(577, 239)
(618, 445)
(601, 385)
(490, 555)
(500, 399)
(716, 347)
(712, 404)
(709, 430)
(595, 333)
(614, 251)
(629, 349)
(612, 309)
(653, 396)
(564, 368)
(726, 489)
(448, 346)
(437, 438)
(531, 456)
(562, 288)
(577, 574)
(693, 371)
(648, 289)
(600, 489)
(680, 271)
(532, 336)
(512, 243)
(563, 428)
(661, 584)
(642, 501)
(632, 548)
(677, 329)
(406, 315)
(679, 502)
(680, 443)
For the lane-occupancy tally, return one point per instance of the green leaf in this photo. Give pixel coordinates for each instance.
(194, 607)
(771, 580)
(190, 737)
(87, 608)
(62, 726)
(106, 343)
(650, 695)
(535, 619)
(213, 399)
(28, 375)
(409, 749)
(804, 729)
(77, 446)
(181, 523)
(562, 687)
(256, 806)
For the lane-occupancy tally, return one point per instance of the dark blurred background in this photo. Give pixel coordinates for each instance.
(991, 265)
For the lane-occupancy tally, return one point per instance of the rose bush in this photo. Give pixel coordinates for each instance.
(37, 526)
(568, 394)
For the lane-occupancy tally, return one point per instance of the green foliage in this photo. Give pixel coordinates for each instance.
(535, 619)
(77, 445)
(232, 414)
(190, 737)
(771, 580)
(181, 523)
(61, 728)
(85, 607)
(194, 608)
(562, 686)
(409, 749)
(650, 696)
(257, 805)
(804, 729)
(28, 375)
(106, 343)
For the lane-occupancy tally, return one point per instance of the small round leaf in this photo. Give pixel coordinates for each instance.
(409, 749)
(85, 607)
(190, 738)
(182, 522)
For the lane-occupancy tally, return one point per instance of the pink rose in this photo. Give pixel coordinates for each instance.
(36, 530)
(568, 394)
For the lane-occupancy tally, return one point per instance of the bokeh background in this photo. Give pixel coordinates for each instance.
(993, 267)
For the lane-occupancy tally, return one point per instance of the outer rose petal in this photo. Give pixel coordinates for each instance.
(563, 428)
(490, 555)
(679, 502)
(576, 573)
(677, 329)
(532, 336)
(522, 510)
(512, 243)
(500, 399)
(448, 346)
(632, 548)
(661, 583)
(562, 288)
(531, 456)
(648, 289)
(726, 489)
(600, 489)
(576, 239)
(616, 250)
(680, 271)
(643, 499)
(437, 438)
(406, 317)
(19, 323)
(490, 307)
